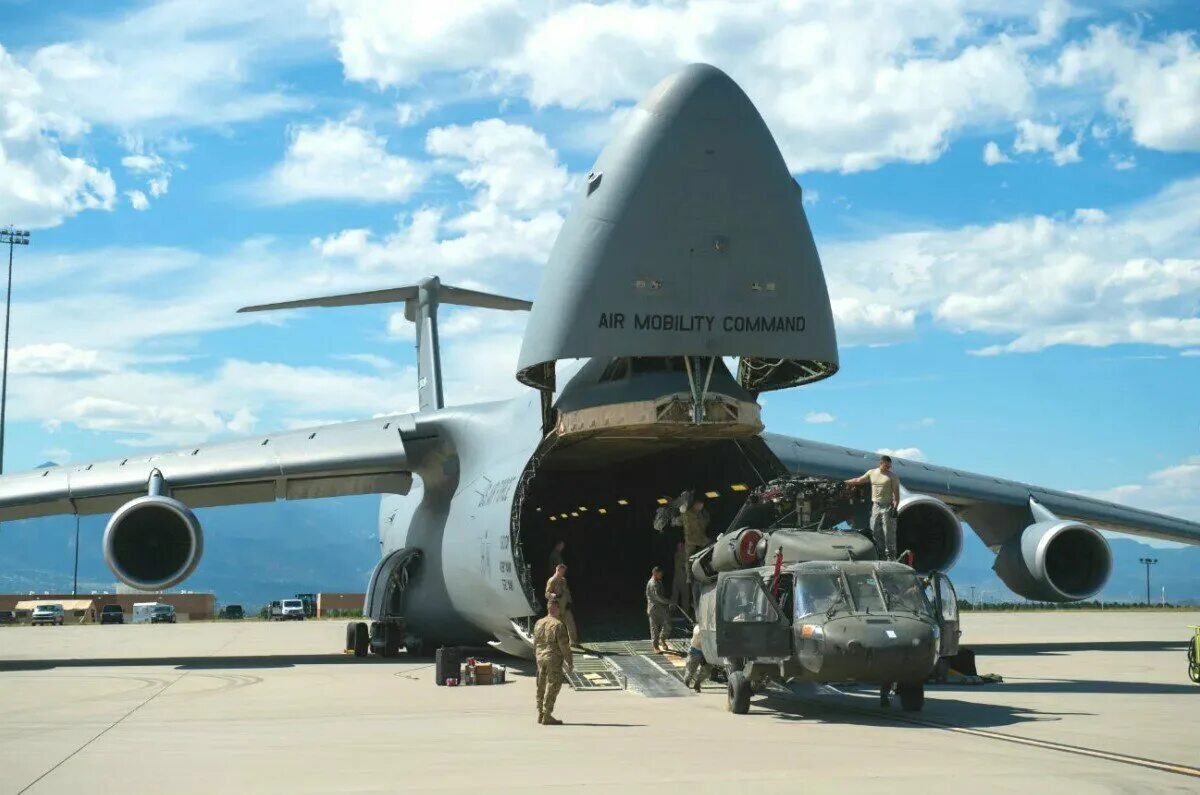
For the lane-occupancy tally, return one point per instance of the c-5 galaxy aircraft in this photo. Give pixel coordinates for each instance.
(686, 243)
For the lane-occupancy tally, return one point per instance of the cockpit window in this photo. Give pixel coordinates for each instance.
(817, 592)
(744, 600)
(904, 593)
(864, 588)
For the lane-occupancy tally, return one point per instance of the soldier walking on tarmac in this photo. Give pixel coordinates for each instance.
(552, 649)
(658, 610)
(557, 587)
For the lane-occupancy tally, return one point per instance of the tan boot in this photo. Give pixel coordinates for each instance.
(550, 720)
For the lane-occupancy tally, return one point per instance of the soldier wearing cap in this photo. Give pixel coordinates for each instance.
(557, 587)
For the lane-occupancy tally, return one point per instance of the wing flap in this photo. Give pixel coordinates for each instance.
(366, 457)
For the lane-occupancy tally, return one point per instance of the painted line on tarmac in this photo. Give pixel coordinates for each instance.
(1049, 745)
(1140, 761)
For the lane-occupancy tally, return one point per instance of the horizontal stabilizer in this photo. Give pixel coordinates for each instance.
(446, 295)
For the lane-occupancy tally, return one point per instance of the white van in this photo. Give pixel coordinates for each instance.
(286, 610)
(153, 613)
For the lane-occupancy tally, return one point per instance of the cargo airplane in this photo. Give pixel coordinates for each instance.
(686, 246)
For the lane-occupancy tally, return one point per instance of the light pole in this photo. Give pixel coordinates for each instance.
(75, 580)
(13, 237)
(1147, 562)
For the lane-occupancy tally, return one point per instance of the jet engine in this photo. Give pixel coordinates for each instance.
(153, 542)
(929, 529)
(1055, 561)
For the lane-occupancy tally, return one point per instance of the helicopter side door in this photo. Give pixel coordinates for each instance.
(945, 601)
(749, 622)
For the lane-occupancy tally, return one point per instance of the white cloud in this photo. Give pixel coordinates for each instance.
(173, 63)
(409, 114)
(393, 44)
(54, 357)
(1153, 86)
(863, 321)
(340, 160)
(1033, 137)
(907, 453)
(513, 215)
(1090, 215)
(993, 156)
(145, 163)
(1174, 490)
(819, 417)
(41, 185)
(1130, 277)
(847, 87)
(1192, 352)
(1122, 163)
(369, 359)
(243, 421)
(512, 165)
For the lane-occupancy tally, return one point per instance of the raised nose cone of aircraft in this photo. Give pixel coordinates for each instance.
(687, 238)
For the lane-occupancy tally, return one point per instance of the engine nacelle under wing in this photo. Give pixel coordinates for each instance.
(929, 529)
(153, 542)
(1055, 561)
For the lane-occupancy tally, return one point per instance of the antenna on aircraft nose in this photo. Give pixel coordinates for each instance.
(421, 301)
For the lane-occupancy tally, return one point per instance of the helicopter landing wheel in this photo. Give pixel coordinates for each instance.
(738, 693)
(912, 696)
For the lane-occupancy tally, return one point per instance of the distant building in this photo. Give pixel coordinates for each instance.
(339, 601)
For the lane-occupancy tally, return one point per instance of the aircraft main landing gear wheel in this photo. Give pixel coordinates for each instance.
(362, 639)
(912, 696)
(738, 692)
(392, 640)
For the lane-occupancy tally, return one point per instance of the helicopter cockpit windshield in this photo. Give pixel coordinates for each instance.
(904, 593)
(830, 590)
(821, 591)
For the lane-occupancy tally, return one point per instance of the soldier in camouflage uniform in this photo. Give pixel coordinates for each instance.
(557, 587)
(552, 649)
(681, 591)
(658, 609)
(693, 518)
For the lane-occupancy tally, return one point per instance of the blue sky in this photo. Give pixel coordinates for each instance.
(1006, 205)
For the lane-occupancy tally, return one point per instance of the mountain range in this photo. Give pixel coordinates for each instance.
(255, 553)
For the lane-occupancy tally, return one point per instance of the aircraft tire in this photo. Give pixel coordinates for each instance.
(738, 693)
(912, 696)
(362, 639)
(350, 636)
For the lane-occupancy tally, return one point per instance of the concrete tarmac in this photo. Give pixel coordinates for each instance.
(237, 707)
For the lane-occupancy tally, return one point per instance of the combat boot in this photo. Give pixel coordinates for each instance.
(541, 717)
(550, 720)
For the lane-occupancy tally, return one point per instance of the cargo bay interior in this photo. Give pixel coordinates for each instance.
(600, 496)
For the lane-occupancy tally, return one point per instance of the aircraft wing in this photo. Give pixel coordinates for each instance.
(365, 457)
(989, 504)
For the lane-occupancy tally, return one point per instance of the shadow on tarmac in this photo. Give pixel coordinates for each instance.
(1035, 649)
(1097, 686)
(846, 709)
(208, 663)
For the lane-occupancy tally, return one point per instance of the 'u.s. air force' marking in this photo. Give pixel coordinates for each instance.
(657, 322)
